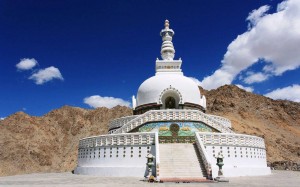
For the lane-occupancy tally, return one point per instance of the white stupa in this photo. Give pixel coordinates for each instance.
(170, 122)
(168, 83)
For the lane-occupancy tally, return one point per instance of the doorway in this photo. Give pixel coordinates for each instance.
(170, 103)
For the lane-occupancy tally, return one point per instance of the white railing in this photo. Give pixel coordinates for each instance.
(205, 159)
(144, 138)
(226, 122)
(169, 115)
(228, 139)
(119, 122)
(157, 155)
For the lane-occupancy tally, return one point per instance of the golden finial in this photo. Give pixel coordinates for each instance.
(167, 24)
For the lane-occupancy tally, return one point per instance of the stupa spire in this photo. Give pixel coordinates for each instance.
(167, 48)
(168, 64)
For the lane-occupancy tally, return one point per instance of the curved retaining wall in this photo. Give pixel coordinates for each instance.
(119, 122)
(226, 122)
(124, 155)
(121, 155)
(244, 155)
(171, 115)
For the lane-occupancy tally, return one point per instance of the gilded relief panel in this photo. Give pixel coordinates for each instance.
(181, 128)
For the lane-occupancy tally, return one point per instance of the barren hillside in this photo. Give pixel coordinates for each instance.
(275, 120)
(49, 143)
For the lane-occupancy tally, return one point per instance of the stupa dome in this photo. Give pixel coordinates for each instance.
(159, 87)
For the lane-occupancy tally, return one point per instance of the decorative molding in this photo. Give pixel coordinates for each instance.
(172, 89)
(118, 139)
(229, 139)
(119, 122)
(223, 120)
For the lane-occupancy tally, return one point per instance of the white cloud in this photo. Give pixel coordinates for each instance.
(2, 118)
(281, 6)
(109, 102)
(248, 89)
(274, 38)
(195, 80)
(45, 75)
(256, 15)
(26, 64)
(255, 78)
(291, 93)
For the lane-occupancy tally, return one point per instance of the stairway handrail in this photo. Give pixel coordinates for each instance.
(157, 157)
(143, 118)
(226, 122)
(204, 156)
(119, 122)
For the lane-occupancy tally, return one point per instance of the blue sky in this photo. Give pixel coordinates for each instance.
(67, 51)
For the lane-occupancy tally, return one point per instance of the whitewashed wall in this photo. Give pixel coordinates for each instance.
(129, 160)
(244, 155)
(122, 155)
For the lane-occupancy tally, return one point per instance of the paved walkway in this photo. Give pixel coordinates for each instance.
(278, 178)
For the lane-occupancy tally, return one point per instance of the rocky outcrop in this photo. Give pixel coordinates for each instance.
(285, 165)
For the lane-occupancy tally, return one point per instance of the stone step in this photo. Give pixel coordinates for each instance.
(183, 170)
(179, 160)
(180, 170)
(191, 174)
(180, 175)
(180, 166)
(185, 179)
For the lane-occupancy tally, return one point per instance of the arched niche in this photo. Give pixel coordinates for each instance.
(170, 98)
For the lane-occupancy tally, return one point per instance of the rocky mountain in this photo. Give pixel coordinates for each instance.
(49, 143)
(277, 121)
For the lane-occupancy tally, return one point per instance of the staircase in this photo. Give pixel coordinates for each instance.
(180, 160)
